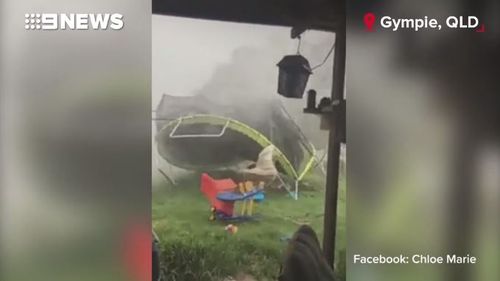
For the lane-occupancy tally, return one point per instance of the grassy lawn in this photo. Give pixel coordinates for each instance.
(194, 248)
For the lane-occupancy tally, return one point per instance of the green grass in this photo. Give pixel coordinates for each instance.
(194, 248)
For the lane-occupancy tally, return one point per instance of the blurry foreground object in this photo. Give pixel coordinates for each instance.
(424, 141)
(137, 252)
(304, 259)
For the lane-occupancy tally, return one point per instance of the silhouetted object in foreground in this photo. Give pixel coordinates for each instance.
(304, 259)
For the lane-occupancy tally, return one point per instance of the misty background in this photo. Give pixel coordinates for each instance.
(233, 61)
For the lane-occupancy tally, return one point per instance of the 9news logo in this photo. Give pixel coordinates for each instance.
(73, 21)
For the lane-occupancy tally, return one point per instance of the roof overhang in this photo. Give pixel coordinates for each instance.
(324, 15)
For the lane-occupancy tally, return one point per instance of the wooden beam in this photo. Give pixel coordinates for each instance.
(309, 14)
(335, 140)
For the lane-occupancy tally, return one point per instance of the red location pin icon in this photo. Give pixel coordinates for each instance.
(369, 20)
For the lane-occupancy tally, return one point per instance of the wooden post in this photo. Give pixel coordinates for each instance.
(335, 139)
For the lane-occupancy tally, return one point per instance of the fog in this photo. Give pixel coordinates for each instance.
(232, 62)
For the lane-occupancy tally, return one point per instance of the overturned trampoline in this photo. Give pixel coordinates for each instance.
(198, 134)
